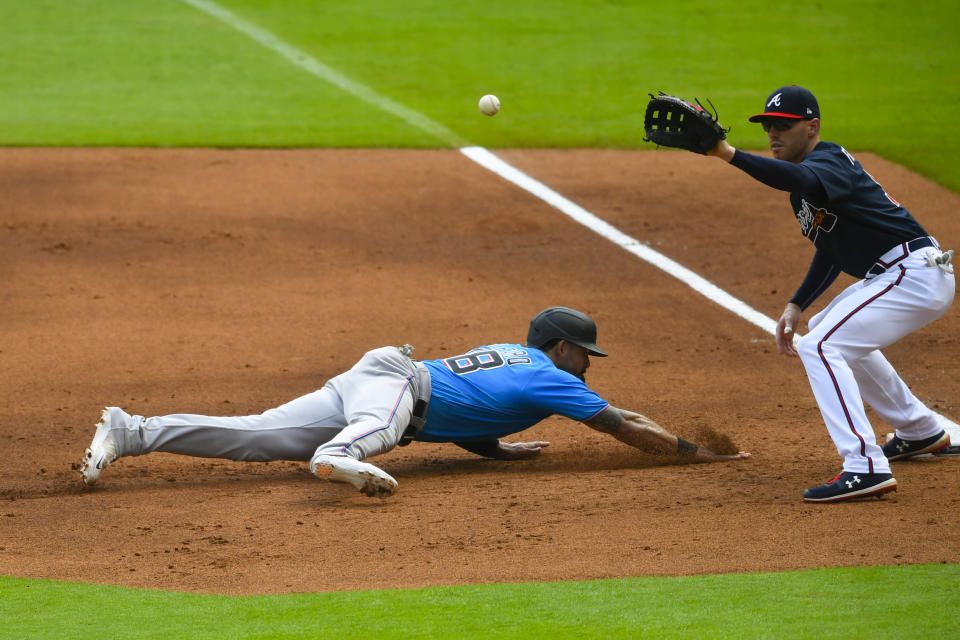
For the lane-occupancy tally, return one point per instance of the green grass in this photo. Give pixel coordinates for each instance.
(874, 602)
(569, 73)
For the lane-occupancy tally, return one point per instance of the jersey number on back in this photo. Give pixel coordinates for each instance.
(488, 359)
(470, 362)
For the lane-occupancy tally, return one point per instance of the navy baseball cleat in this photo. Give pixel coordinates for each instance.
(898, 449)
(850, 486)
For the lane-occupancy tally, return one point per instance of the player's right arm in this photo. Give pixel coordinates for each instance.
(786, 329)
(643, 433)
(504, 450)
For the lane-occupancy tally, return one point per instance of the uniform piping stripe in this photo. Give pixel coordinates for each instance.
(393, 412)
(846, 412)
(596, 414)
(887, 265)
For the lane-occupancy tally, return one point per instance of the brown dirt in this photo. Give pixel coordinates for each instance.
(227, 282)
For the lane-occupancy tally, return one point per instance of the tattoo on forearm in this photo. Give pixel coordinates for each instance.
(609, 420)
(686, 448)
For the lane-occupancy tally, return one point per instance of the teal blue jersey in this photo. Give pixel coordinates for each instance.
(497, 390)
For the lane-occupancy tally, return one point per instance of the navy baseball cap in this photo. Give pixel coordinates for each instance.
(789, 102)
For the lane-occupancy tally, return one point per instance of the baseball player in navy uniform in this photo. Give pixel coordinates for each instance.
(389, 399)
(904, 281)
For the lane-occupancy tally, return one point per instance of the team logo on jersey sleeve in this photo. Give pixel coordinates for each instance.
(814, 220)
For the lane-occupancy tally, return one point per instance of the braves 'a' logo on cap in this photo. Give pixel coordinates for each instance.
(813, 220)
(775, 100)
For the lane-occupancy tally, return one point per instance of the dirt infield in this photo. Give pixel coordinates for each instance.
(228, 282)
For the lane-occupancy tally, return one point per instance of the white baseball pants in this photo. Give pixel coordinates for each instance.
(845, 367)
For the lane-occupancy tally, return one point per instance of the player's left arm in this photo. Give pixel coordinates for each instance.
(643, 433)
(778, 174)
(504, 450)
(723, 150)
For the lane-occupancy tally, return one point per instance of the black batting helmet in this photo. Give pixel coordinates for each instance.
(565, 324)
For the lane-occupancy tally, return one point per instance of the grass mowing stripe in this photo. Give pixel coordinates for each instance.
(324, 72)
(874, 602)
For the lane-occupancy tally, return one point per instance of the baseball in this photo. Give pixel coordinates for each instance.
(489, 105)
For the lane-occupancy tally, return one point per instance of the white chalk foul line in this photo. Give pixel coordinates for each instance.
(488, 160)
(491, 162)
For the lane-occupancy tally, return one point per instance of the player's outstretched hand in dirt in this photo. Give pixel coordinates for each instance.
(706, 455)
(519, 450)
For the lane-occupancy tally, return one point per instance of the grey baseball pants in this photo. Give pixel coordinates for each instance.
(360, 413)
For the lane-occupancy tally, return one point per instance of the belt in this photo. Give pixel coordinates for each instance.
(897, 254)
(421, 383)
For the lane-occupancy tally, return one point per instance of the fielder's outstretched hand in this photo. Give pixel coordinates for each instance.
(519, 450)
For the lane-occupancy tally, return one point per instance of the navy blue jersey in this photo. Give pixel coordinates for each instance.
(852, 220)
(494, 391)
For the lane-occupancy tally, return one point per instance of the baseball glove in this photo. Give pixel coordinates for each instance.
(674, 122)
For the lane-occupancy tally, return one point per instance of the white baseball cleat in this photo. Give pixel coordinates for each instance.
(370, 480)
(104, 448)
